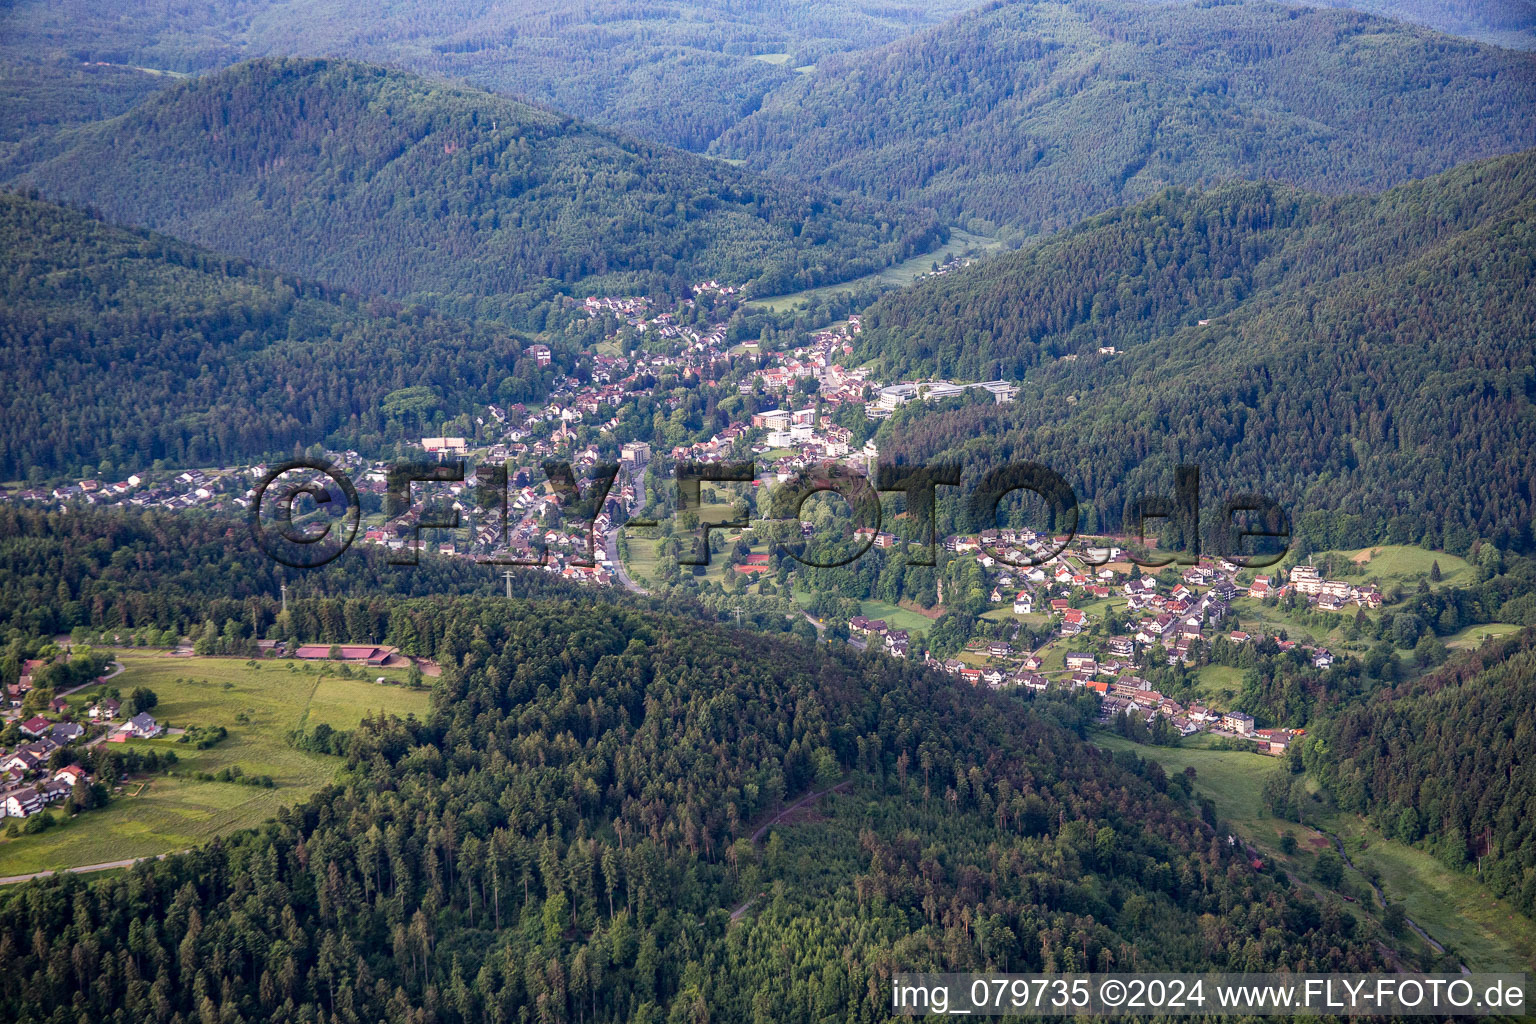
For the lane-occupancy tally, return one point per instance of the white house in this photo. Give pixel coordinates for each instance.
(141, 726)
(22, 803)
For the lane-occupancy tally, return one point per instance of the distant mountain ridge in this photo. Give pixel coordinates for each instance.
(1027, 117)
(1510, 23)
(680, 72)
(384, 182)
(676, 71)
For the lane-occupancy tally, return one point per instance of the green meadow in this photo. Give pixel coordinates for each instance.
(1483, 931)
(259, 704)
(897, 276)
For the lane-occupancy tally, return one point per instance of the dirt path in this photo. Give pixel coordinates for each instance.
(809, 798)
(1381, 898)
(94, 682)
(737, 913)
(104, 866)
(741, 911)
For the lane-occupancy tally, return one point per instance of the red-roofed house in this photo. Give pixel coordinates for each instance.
(369, 653)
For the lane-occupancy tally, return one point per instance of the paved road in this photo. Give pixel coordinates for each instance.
(104, 866)
(611, 543)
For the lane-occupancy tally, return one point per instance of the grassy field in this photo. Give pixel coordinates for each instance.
(895, 617)
(1485, 932)
(1473, 636)
(1258, 617)
(643, 556)
(897, 276)
(1003, 614)
(168, 815)
(259, 706)
(1233, 780)
(1218, 682)
(1409, 564)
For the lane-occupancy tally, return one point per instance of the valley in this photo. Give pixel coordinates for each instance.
(691, 512)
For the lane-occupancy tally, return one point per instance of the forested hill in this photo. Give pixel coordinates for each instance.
(1446, 762)
(567, 836)
(678, 72)
(1368, 360)
(126, 347)
(387, 183)
(1505, 23)
(37, 98)
(1028, 117)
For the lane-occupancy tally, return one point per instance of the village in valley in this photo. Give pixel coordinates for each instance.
(1167, 618)
(43, 766)
(1086, 620)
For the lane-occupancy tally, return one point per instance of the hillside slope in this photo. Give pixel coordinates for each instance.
(1445, 762)
(38, 98)
(677, 72)
(124, 347)
(1371, 361)
(383, 182)
(1029, 116)
(570, 832)
(1509, 23)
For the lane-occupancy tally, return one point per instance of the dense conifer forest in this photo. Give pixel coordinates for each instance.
(679, 73)
(567, 836)
(37, 98)
(132, 570)
(1444, 761)
(387, 183)
(129, 347)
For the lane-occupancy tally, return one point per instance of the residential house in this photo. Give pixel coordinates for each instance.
(22, 762)
(22, 803)
(1238, 722)
(66, 732)
(71, 775)
(141, 726)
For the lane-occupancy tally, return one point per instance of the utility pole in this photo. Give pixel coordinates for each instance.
(508, 575)
(284, 589)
